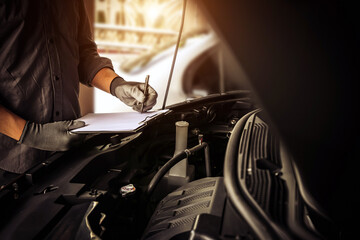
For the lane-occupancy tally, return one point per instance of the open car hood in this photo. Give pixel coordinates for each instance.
(300, 59)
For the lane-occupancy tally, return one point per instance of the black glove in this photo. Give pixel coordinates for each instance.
(52, 136)
(132, 94)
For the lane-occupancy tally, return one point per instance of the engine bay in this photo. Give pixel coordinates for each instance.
(81, 190)
(206, 169)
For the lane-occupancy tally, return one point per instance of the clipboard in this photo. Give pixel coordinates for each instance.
(122, 122)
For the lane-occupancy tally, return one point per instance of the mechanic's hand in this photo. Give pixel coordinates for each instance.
(132, 94)
(54, 136)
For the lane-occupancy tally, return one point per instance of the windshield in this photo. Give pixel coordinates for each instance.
(140, 38)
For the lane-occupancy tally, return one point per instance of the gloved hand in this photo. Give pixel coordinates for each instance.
(132, 94)
(52, 136)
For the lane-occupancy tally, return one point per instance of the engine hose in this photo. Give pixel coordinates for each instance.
(174, 160)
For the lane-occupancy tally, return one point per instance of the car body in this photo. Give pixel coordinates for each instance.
(157, 65)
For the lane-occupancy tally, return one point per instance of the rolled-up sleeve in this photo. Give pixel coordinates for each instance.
(89, 60)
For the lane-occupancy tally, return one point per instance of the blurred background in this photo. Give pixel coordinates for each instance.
(139, 37)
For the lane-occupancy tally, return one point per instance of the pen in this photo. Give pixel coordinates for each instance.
(146, 89)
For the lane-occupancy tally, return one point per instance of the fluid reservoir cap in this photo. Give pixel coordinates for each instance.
(182, 124)
(127, 190)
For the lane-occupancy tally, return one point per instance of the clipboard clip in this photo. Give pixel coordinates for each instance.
(156, 114)
(153, 116)
(147, 118)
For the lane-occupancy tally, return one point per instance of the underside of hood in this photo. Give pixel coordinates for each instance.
(301, 59)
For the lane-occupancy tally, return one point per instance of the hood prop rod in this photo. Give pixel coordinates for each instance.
(175, 54)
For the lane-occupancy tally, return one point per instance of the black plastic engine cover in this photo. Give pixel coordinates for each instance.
(177, 213)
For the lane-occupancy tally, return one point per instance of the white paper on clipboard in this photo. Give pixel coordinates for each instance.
(115, 122)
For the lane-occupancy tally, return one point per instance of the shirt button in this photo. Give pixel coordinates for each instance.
(57, 113)
(51, 40)
(56, 78)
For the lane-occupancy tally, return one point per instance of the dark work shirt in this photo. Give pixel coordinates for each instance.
(46, 49)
